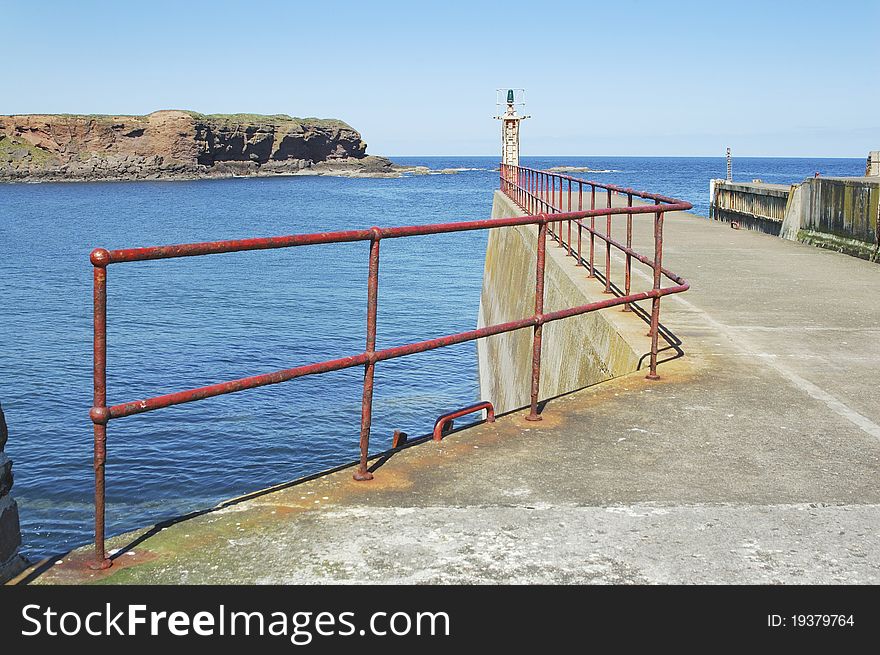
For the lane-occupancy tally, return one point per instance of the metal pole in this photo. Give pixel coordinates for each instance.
(568, 209)
(370, 368)
(521, 191)
(560, 234)
(608, 247)
(534, 192)
(539, 310)
(592, 230)
(559, 208)
(561, 223)
(629, 236)
(529, 194)
(655, 304)
(542, 191)
(580, 221)
(99, 412)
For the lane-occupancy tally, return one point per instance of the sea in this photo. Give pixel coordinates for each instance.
(184, 323)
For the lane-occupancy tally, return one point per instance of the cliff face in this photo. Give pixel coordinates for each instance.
(178, 144)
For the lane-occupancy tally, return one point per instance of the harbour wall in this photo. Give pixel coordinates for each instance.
(753, 206)
(838, 213)
(576, 352)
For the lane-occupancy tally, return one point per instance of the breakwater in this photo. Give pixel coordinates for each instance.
(838, 213)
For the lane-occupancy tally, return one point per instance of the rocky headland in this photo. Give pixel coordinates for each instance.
(180, 145)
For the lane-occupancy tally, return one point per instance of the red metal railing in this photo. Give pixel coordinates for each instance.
(544, 191)
(527, 195)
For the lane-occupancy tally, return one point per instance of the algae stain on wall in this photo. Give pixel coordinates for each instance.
(577, 352)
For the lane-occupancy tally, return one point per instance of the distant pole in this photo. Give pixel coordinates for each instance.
(729, 167)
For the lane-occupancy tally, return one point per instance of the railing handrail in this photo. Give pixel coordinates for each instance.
(101, 258)
(534, 190)
(104, 257)
(613, 187)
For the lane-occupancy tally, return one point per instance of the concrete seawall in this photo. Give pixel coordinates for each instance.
(754, 206)
(837, 213)
(577, 352)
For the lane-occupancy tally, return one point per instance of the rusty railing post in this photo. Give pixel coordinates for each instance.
(99, 413)
(561, 243)
(608, 247)
(370, 367)
(629, 238)
(655, 304)
(539, 326)
(561, 222)
(592, 231)
(540, 191)
(580, 221)
(568, 209)
(532, 189)
(656, 216)
(521, 185)
(535, 192)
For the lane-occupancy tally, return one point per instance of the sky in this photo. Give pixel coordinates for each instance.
(418, 78)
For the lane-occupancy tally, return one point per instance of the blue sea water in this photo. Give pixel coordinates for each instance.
(183, 323)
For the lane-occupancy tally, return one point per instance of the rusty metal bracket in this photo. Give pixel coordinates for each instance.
(444, 422)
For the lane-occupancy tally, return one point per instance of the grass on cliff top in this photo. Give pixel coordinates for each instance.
(9, 145)
(255, 119)
(94, 116)
(270, 119)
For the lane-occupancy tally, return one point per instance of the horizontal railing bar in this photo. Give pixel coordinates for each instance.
(234, 245)
(640, 194)
(242, 384)
(221, 388)
(632, 253)
(103, 257)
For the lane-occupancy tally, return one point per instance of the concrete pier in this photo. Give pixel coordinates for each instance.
(837, 213)
(753, 460)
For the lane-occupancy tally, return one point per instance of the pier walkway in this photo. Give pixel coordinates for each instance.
(754, 460)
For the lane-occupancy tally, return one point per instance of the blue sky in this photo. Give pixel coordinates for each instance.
(629, 77)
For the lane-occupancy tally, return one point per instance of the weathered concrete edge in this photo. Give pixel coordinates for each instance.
(587, 350)
(851, 247)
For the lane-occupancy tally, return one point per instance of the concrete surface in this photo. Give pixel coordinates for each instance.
(753, 460)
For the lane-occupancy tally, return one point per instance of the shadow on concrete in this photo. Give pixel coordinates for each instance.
(673, 342)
